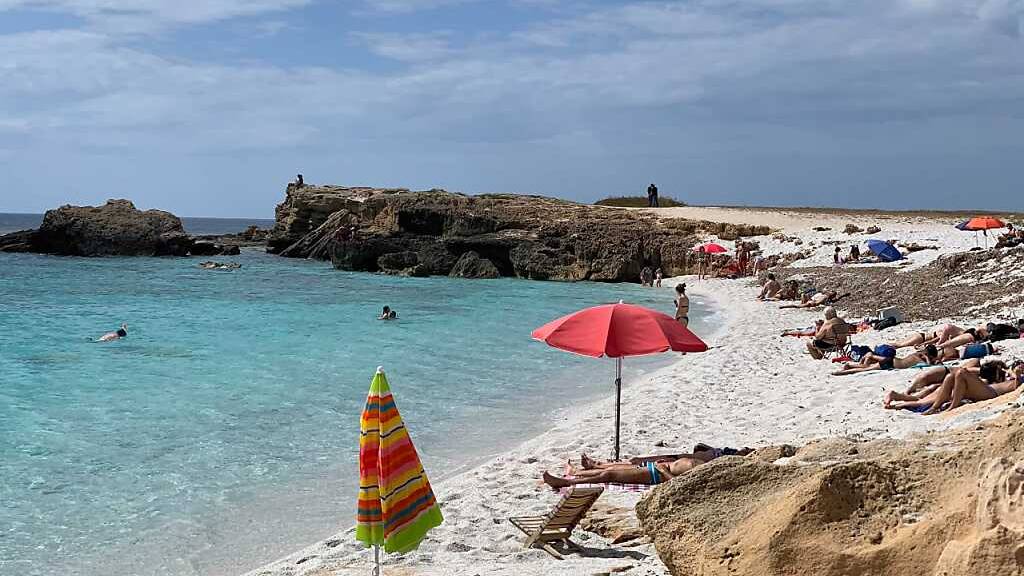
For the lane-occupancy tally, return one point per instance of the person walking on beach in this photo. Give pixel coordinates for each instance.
(742, 258)
(652, 196)
(682, 305)
(117, 335)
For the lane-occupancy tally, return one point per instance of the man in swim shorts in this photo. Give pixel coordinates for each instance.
(648, 470)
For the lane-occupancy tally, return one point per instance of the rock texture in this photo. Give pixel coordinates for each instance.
(119, 229)
(115, 229)
(949, 505)
(440, 233)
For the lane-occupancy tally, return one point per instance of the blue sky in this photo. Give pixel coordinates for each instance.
(210, 107)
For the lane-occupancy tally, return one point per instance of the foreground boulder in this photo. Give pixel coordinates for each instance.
(950, 506)
(115, 229)
(440, 233)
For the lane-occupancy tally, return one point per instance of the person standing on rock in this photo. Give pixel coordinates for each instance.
(702, 261)
(652, 196)
(682, 305)
(299, 183)
(657, 278)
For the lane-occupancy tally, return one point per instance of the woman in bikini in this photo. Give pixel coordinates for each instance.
(644, 470)
(879, 361)
(974, 383)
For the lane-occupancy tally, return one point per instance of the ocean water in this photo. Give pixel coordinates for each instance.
(194, 226)
(222, 433)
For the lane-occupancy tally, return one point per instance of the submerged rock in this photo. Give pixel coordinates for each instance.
(440, 233)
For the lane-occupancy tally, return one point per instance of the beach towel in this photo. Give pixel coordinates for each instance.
(976, 351)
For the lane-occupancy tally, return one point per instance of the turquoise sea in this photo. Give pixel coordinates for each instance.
(222, 433)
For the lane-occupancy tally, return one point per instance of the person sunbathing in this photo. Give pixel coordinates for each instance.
(818, 299)
(985, 383)
(884, 358)
(770, 288)
(644, 470)
(789, 291)
(832, 335)
(931, 378)
(965, 337)
(804, 332)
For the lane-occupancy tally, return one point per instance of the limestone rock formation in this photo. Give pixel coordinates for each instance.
(428, 233)
(941, 505)
(471, 265)
(114, 229)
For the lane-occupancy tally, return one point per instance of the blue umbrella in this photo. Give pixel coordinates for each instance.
(962, 225)
(884, 250)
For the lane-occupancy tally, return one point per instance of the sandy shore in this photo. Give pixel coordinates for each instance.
(753, 388)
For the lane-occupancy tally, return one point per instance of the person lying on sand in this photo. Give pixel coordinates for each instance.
(818, 299)
(940, 335)
(966, 337)
(804, 332)
(930, 378)
(789, 291)
(989, 381)
(770, 288)
(884, 358)
(646, 470)
(111, 336)
(833, 334)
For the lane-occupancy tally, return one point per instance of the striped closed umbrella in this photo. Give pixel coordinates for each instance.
(396, 505)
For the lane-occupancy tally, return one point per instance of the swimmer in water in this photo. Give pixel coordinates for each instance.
(388, 314)
(111, 336)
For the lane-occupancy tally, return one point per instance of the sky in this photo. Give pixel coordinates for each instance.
(209, 107)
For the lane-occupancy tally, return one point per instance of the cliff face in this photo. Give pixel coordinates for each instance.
(440, 233)
(949, 505)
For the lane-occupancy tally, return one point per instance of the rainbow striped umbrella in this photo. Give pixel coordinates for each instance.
(396, 505)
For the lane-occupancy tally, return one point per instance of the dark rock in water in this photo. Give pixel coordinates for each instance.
(207, 248)
(427, 233)
(114, 229)
(471, 265)
(17, 241)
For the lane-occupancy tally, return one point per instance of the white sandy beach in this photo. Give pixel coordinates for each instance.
(753, 388)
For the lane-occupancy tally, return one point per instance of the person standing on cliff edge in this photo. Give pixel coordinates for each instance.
(298, 181)
(652, 196)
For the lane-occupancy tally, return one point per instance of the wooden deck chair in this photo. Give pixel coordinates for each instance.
(557, 525)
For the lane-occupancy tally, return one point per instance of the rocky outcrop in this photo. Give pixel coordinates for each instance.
(949, 505)
(471, 265)
(115, 229)
(440, 233)
(119, 229)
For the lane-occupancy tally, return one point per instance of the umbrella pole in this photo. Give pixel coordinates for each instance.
(376, 561)
(618, 403)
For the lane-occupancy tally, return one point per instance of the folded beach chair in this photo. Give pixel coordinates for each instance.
(557, 525)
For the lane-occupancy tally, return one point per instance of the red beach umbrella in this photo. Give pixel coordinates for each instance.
(983, 223)
(616, 331)
(712, 248)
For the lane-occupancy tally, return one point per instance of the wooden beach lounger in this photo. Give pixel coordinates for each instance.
(557, 525)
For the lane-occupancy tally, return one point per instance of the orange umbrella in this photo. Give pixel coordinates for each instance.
(984, 223)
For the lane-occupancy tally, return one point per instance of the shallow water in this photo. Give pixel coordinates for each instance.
(222, 433)
(196, 226)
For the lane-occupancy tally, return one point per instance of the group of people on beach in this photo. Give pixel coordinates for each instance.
(939, 387)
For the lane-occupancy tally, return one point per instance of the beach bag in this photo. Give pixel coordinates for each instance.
(886, 323)
(997, 332)
(885, 351)
(976, 351)
(858, 352)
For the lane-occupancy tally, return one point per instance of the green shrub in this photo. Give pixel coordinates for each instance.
(639, 202)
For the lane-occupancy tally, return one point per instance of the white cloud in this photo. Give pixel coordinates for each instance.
(406, 47)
